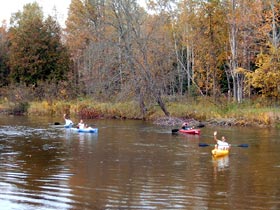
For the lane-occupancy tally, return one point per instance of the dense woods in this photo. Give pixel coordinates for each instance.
(115, 50)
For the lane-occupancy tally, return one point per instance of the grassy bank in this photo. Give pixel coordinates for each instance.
(222, 113)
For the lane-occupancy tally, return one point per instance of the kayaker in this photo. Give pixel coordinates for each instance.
(221, 144)
(185, 126)
(81, 124)
(68, 122)
(87, 127)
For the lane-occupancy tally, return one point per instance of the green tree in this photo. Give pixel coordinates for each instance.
(57, 59)
(36, 51)
(4, 68)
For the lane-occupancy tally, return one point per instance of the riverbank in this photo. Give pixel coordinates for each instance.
(194, 111)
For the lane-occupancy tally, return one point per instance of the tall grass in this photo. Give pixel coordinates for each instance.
(203, 109)
(86, 109)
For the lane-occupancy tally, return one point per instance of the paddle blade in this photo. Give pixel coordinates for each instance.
(243, 145)
(203, 145)
(175, 130)
(239, 145)
(200, 125)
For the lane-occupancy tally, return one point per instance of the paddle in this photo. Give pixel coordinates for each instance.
(175, 130)
(232, 145)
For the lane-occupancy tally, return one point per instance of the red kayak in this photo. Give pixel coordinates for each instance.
(190, 131)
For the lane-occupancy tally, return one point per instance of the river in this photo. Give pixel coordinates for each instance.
(134, 165)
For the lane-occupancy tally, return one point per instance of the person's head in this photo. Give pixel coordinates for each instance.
(81, 121)
(223, 138)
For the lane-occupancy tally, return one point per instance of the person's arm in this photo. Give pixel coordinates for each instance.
(215, 136)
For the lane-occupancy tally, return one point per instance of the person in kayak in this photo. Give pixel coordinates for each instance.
(185, 126)
(68, 122)
(81, 124)
(221, 144)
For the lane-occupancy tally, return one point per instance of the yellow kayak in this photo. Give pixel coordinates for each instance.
(219, 152)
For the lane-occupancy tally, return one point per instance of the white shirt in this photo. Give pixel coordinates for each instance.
(222, 144)
(81, 125)
(68, 122)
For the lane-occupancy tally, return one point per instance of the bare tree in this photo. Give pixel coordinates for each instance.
(129, 19)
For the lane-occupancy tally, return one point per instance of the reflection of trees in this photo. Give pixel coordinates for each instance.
(39, 161)
(131, 171)
(124, 168)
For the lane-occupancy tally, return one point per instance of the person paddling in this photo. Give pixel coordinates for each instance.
(221, 144)
(186, 126)
(68, 122)
(81, 124)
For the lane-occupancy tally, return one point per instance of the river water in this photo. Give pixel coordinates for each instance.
(134, 165)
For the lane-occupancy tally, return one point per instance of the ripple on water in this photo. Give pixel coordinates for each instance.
(10, 132)
(52, 192)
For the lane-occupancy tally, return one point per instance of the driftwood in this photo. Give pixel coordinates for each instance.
(233, 122)
(227, 122)
(174, 121)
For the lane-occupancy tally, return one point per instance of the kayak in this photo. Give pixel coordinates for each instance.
(85, 130)
(220, 152)
(190, 131)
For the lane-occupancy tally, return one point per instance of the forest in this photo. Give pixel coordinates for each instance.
(225, 52)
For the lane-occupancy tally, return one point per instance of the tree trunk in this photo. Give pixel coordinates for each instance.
(162, 104)
(237, 93)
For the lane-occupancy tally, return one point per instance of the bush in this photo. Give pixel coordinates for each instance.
(20, 108)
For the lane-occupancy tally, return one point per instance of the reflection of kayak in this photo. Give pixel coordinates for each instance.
(220, 152)
(190, 131)
(68, 126)
(85, 130)
(221, 163)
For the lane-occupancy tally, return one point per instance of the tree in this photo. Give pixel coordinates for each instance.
(145, 51)
(120, 51)
(266, 77)
(4, 68)
(36, 52)
(110, 52)
(57, 61)
(243, 21)
(184, 44)
(210, 47)
(91, 48)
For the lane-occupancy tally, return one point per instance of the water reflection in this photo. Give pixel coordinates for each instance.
(82, 136)
(220, 166)
(32, 169)
(133, 165)
(220, 163)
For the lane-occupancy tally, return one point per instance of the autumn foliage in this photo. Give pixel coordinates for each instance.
(115, 50)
